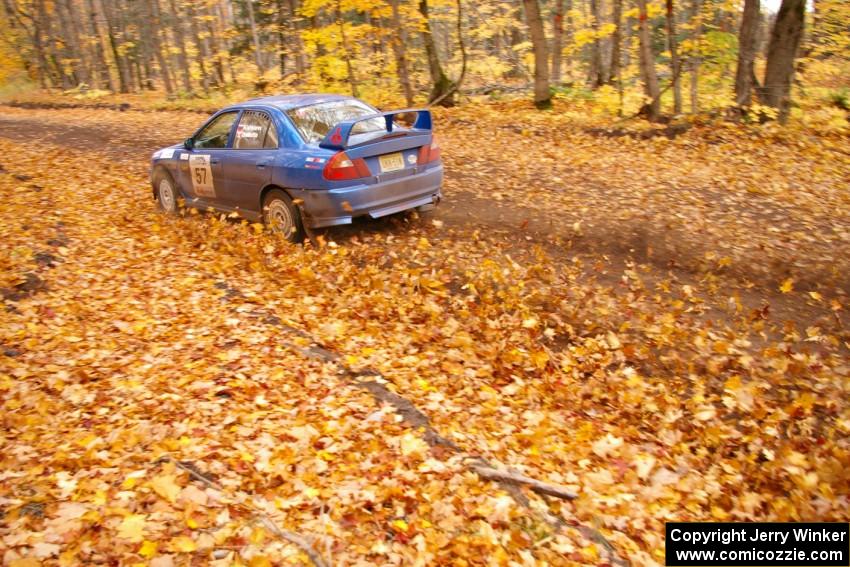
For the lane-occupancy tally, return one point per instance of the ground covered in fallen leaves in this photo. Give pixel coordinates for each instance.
(656, 326)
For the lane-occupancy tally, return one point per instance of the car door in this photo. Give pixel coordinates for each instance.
(247, 165)
(204, 173)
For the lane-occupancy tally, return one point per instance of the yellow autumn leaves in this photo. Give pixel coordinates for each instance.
(649, 391)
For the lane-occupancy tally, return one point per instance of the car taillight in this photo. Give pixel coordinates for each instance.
(429, 153)
(341, 167)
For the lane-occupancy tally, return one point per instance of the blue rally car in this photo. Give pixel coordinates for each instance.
(303, 160)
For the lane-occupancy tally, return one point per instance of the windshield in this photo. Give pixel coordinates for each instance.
(315, 121)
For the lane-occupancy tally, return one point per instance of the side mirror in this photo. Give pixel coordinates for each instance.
(189, 143)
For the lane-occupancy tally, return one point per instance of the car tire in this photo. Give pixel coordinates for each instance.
(281, 215)
(166, 191)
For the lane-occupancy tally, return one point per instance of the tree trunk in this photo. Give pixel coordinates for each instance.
(200, 46)
(100, 54)
(557, 41)
(68, 54)
(180, 39)
(542, 96)
(745, 73)
(675, 64)
(462, 45)
(568, 33)
(652, 108)
(781, 54)
(78, 21)
(597, 73)
(153, 29)
(696, 57)
(255, 37)
(346, 54)
(628, 38)
(224, 9)
(120, 61)
(145, 33)
(280, 31)
(68, 20)
(518, 68)
(616, 41)
(295, 23)
(399, 50)
(215, 47)
(129, 47)
(318, 46)
(52, 47)
(34, 33)
(441, 84)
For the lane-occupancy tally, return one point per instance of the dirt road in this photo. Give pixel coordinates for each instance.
(686, 215)
(700, 202)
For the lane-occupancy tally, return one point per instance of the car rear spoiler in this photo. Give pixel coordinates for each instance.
(337, 138)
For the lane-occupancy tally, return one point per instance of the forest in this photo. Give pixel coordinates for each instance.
(687, 56)
(629, 308)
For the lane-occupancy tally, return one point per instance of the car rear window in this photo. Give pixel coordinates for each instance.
(315, 121)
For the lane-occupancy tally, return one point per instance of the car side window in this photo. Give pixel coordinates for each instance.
(216, 133)
(255, 131)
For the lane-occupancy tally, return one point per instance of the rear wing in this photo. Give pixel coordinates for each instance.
(337, 138)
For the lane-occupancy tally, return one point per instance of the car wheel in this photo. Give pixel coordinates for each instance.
(166, 192)
(281, 215)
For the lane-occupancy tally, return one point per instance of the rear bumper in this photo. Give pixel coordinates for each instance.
(339, 206)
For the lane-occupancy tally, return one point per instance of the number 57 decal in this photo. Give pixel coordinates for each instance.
(202, 178)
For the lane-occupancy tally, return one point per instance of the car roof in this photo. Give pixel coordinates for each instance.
(287, 102)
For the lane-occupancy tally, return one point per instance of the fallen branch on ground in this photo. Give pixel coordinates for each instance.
(294, 539)
(516, 478)
(264, 518)
(412, 415)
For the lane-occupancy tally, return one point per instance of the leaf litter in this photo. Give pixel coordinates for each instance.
(163, 350)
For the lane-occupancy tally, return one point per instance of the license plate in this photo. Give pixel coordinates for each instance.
(391, 162)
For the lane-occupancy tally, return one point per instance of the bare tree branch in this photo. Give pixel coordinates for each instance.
(539, 487)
